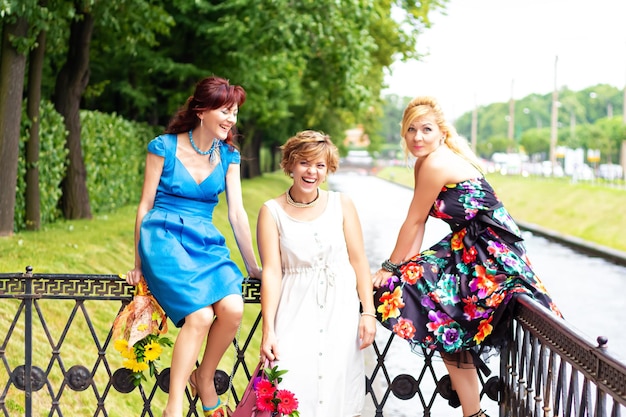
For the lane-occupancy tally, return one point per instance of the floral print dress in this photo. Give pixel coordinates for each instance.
(453, 296)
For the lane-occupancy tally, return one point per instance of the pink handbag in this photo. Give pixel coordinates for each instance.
(247, 405)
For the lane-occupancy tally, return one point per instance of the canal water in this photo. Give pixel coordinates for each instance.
(588, 290)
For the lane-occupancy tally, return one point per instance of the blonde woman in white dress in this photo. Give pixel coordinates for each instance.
(316, 292)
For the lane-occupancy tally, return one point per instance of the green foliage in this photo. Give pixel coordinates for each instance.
(52, 164)
(13, 10)
(587, 119)
(536, 141)
(310, 64)
(126, 39)
(114, 151)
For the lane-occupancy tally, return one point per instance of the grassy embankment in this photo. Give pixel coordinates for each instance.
(592, 212)
(104, 245)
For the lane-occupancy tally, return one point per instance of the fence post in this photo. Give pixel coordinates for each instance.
(28, 341)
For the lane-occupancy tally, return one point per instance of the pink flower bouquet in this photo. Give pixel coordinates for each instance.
(271, 399)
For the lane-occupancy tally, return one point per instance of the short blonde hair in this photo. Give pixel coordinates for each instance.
(306, 146)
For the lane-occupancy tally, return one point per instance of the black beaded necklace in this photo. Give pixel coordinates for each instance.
(294, 203)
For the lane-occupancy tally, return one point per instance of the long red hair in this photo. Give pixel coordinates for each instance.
(210, 93)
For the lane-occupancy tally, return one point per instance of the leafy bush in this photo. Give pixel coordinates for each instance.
(114, 151)
(52, 165)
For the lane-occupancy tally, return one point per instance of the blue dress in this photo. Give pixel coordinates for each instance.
(184, 257)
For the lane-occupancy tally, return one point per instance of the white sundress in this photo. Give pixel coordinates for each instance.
(318, 315)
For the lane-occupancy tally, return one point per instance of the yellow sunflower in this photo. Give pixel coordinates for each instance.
(121, 345)
(152, 351)
(135, 366)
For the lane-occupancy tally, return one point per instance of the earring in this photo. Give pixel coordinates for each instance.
(200, 122)
(291, 174)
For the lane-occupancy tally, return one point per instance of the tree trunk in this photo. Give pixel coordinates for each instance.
(71, 83)
(32, 196)
(251, 151)
(12, 66)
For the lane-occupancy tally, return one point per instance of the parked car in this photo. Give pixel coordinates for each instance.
(583, 173)
(610, 171)
(549, 172)
(359, 158)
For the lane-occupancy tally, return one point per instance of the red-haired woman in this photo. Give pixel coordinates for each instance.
(179, 251)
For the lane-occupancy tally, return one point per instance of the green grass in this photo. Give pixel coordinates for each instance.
(592, 212)
(103, 245)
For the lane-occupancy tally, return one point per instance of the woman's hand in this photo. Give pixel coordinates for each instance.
(367, 330)
(269, 347)
(133, 276)
(255, 272)
(380, 277)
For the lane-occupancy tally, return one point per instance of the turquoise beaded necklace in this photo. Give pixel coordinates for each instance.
(210, 152)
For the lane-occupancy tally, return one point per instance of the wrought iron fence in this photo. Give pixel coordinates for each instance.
(57, 329)
(552, 370)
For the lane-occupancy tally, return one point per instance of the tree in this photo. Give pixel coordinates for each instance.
(12, 68)
(129, 19)
(536, 141)
(32, 198)
(70, 85)
(392, 110)
(304, 64)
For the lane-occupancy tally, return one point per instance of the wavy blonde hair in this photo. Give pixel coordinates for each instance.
(307, 146)
(425, 105)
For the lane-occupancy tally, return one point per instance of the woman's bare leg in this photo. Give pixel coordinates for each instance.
(186, 350)
(465, 382)
(228, 312)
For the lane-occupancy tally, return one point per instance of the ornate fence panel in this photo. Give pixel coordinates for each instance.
(56, 329)
(552, 370)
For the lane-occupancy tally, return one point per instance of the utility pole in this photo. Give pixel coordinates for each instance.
(511, 115)
(554, 120)
(623, 153)
(474, 133)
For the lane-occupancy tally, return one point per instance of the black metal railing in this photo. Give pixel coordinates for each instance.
(57, 329)
(552, 370)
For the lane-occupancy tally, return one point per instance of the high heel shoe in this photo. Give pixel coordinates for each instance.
(215, 411)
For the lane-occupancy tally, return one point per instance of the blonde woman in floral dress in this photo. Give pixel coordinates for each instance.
(453, 297)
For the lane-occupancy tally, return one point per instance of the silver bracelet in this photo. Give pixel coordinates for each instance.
(390, 266)
(365, 313)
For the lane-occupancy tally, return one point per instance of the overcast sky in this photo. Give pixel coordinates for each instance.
(482, 51)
